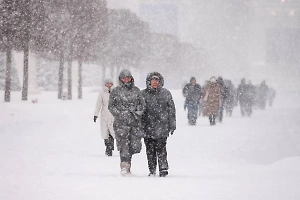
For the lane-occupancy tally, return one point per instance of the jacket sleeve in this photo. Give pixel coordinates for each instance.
(185, 90)
(141, 106)
(99, 105)
(112, 103)
(172, 112)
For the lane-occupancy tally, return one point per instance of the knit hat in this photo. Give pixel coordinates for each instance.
(108, 80)
(192, 79)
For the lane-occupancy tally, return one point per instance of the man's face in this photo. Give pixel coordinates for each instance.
(154, 83)
(193, 82)
(108, 85)
(127, 79)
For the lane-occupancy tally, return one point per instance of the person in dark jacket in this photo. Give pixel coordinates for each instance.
(271, 96)
(159, 120)
(250, 95)
(224, 94)
(263, 91)
(241, 96)
(231, 98)
(192, 93)
(127, 105)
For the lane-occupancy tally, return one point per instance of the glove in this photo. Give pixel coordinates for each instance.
(171, 132)
(95, 118)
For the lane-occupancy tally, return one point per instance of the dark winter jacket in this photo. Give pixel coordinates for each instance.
(127, 105)
(192, 93)
(250, 94)
(241, 93)
(159, 117)
(223, 88)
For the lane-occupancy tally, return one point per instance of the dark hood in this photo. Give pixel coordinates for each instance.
(125, 73)
(148, 80)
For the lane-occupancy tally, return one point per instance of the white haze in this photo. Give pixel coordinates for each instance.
(233, 35)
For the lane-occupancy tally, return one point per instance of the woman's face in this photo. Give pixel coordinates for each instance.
(154, 83)
(108, 85)
(126, 79)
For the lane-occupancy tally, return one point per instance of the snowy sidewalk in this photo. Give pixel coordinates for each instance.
(53, 150)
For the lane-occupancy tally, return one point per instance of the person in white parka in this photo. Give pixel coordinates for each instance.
(106, 118)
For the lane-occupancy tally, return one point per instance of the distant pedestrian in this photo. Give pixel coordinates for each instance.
(224, 95)
(192, 93)
(242, 96)
(211, 95)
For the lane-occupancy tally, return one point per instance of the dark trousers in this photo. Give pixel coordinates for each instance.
(212, 120)
(192, 113)
(156, 150)
(221, 110)
(243, 108)
(125, 150)
(109, 143)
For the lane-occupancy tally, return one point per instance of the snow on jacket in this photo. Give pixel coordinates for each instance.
(159, 117)
(192, 93)
(212, 97)
(127, 106)
(106, 118)
(241, 93)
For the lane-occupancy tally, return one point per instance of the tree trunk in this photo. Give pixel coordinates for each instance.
(61, 74)
(25, 73)
(26, 49)
(8, 74)
(80, 79)
(70, 79)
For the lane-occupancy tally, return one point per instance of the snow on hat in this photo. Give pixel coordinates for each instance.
(213, 79)
(108, 80)
(192, 79)
(155, 77)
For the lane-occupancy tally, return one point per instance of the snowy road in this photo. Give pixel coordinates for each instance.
(53, 150)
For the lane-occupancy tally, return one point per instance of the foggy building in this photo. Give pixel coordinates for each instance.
(275, 40)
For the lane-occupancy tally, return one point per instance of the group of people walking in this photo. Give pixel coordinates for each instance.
(218, 95)
(129, 114)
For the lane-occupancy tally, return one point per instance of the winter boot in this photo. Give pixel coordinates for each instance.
(163, 173)
(108, 152)
(152, 174)
(213, 120)
(125, 168)
(210, 120)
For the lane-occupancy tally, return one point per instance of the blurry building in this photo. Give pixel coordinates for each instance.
(275, 37)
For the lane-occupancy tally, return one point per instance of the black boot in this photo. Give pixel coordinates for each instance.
(108, 152)
(210, 120)
(163, 173)
(213, 120)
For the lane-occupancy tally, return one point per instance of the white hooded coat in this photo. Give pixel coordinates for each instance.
(106, 118)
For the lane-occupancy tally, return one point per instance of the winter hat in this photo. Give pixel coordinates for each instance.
(108, 80)
(125, 73)
(192, 79)
(213, 79)
(155, 77)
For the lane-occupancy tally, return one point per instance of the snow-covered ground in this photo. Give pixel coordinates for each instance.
(53, 150)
